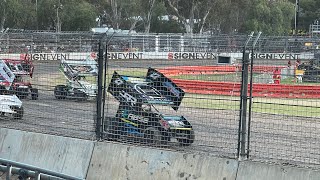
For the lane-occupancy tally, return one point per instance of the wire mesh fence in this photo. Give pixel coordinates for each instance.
(174, 91)
(54, 91)
(285, 114)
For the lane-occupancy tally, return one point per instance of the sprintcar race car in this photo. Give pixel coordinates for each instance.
(21, 86)
(10, 104)
(137, 116)
(77, 74)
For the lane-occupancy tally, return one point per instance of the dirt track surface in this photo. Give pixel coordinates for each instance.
(278, 138)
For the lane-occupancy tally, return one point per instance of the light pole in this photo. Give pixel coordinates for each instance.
(58, 25)
(296, 17)
(37, 14)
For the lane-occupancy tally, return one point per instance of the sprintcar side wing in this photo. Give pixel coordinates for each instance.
(166, 87)
(122, 91)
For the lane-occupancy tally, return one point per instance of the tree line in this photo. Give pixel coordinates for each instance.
(272, 17)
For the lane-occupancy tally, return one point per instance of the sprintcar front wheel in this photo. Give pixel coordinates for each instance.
(154, 136)
(18, 112)
(60, 91)
(188, 139)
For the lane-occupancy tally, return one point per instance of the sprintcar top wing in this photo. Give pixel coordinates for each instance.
(154, 89)
(20, 66)
(75, 68)
(6, 75)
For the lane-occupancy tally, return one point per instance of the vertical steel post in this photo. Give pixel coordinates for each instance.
(9, 168)
(99, 95)
(105, 79)
(37, 175)
(243, 100)
(250, 98)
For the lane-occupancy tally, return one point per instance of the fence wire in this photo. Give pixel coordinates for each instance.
(53, 86)
(206, 69)
(285, 108)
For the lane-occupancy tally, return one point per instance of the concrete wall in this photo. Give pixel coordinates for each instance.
(102, 160)
(249, 170)
(116, 161)
(65, 155)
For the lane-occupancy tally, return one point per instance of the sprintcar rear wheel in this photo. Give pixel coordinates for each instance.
(22, 93)
(34, 93)
(18, 112)
(79, 95)
(60, 91)
(111, 128)
(188, 139)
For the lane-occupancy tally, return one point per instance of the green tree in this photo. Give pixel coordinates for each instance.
(270, 17)
(148, 7)
(18, 14)
(78, 15)
(308, 14)
(191, 13)
(3, 14)
(47, 14)
(73, 15)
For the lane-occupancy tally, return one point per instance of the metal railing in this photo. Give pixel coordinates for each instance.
(25, 171)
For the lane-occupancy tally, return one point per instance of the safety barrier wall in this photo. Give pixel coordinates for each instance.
(101, 160)
(258, 90)
(60, 154)
(223, 69)
(124, 162)
(232, 88)
(249, 170)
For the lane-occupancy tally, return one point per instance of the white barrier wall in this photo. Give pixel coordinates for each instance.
(249, 170)
(104, 160)
(121, 162)
(64, 155)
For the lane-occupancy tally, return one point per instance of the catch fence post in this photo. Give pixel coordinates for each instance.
(99, 95)
(242, 129)
(251, 87)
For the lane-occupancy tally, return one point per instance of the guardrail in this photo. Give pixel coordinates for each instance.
(25, 171)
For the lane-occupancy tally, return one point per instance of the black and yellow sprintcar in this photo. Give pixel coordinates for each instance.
(137, 116)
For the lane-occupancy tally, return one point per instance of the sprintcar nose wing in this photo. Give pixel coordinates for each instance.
(154, 89)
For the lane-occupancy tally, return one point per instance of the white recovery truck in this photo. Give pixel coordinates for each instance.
(10, 104)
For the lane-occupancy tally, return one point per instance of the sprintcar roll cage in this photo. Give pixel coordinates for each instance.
(20, 86)
(10, 104)
(76, 73)
(137, 115)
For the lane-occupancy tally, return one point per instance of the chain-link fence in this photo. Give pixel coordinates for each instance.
(46, 89)
(188, 93)
(285, 114)
(156, 93)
